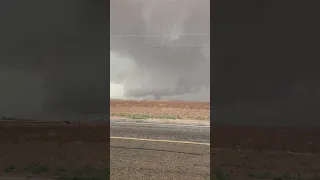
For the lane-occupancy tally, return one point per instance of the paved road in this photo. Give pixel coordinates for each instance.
(143, 157)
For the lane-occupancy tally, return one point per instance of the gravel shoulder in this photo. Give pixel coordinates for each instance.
(159, 151)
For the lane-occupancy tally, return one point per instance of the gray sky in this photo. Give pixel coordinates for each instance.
(161, 48)
(53, 57)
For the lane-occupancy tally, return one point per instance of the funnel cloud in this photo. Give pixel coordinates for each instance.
(53, 59)
(160, 49)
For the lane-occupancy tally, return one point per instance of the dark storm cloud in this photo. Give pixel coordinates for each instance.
(264, 63)
(54, 58)
(178, 67)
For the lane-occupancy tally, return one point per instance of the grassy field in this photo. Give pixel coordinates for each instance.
(150, 116)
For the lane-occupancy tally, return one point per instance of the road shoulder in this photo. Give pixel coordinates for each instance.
(163, 121)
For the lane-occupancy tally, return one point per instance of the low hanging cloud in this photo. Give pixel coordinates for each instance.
(160, 49)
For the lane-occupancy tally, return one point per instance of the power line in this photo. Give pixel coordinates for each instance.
(164, 44)
(160, 44)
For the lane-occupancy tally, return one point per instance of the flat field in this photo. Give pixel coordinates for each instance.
(54, 149)
(270, 153)
(160, 109)
(237, 152)
(241, 152)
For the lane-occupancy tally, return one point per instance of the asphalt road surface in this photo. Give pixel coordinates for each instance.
(159, 151)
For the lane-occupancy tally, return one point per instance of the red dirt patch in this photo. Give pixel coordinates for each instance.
(182, 110)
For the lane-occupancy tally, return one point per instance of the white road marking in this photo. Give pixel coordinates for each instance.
(158, 140)
(160, 124)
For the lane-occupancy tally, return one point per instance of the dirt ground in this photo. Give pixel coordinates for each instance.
(180, 110)
(243, 152)
(25, 148)
(273, 165)
(270, 153)
(237, 152)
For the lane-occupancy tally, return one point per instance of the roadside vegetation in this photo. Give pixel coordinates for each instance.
(149, 116)
(37, 169)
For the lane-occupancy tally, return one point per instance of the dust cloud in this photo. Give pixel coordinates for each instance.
(160, 49)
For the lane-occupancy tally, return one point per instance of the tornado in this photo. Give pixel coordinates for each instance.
(160, 49)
